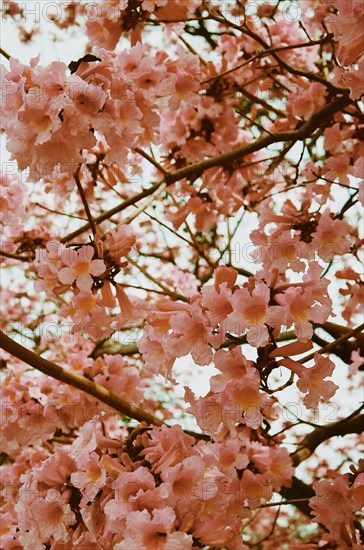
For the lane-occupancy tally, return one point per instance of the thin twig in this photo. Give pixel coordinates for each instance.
(60, 213)
(167, 291)
(151, 160)
(145, 205)
(16, 257)
(76, 175)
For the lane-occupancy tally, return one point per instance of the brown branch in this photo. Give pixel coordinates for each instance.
(111, 347)
(91, 222)
(196, 169)
(82, 384)
(16, 257)
(336, 343)
(350, 425)
(299, 490)
(263, 53)
(106, 215)
(76, 381)
(281, 63)
(5, 54)
(336, 331)
(299, 134)
(151, 160)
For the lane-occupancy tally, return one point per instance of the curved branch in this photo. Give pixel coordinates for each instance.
(345, 351)
(299, 490)
(118, 208)
(332, 345)
(75, 380)
(198, 168)
(350, 425)
(111, 347)
(5, 54)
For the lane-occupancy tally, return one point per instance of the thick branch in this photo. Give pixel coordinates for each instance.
(298, 489)
(351, 425)
(75, 380)
(111, 347)
(5, 54)
(301, 133)
(196, 169)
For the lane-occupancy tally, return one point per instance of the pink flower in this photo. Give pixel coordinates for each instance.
(249, 400)
(276, 466)
(304, 104)
(332, 236)
(216, 299)
(119, 377)
(184, 481)
(298, 306)
(249, 312)
(145, 531)
(80, 267)
(356, 361)
(333, 504)
(84, 302)
(312, 381)
(151, 5)
(233, 366)
(12, 195)
(120, 242)
(167, 447)
(90, 478)
(176, 329)
(348, 27)
(57, 469)
(254, 487)
(354, 79)
(337, 168)
(45, 517)
(85, 443)
(50, 263)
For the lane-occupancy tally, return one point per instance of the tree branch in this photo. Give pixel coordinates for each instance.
(299, 490)
(198, 168)
(91, 222)
(118, 208)
(350, 425)
(344, 352)
(332, 345)
(5, 54)
(76, 381)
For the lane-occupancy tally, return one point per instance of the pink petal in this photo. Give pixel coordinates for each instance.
(84, 282)
(97, 267)
(66, 276)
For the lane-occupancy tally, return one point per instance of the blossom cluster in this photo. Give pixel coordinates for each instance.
(253, 310)
(116, 97)
(178, 493)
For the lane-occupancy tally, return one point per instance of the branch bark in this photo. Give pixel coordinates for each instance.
(350, 425)
(198, 168)
(75, 380)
